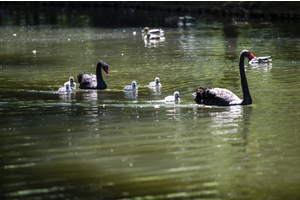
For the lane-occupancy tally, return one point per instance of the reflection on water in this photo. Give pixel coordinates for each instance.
(112, 144)
(131, 95)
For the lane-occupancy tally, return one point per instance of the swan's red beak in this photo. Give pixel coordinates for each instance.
(252, 56)
(107, 72)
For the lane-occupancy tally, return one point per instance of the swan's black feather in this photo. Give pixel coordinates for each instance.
(216, 96)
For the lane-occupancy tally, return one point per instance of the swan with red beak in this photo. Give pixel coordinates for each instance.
(224, 97)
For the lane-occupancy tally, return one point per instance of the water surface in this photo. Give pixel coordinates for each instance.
(111, 144)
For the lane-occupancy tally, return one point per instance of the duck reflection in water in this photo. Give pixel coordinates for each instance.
(266, 67)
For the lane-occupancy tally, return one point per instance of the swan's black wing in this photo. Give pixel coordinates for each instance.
(216, 96)
(87, 81)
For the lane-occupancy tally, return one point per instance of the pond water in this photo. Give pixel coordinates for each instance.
(111, 144)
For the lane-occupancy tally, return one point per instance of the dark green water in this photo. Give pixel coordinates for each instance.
(115, 145)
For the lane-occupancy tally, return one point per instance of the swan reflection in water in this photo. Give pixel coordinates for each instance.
(66, 96)
(131, 95)
(90, 95)
(96, 108)
(173, 114)
(228, 123)
(155, 93)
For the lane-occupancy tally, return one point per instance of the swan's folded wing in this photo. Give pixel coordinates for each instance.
(216, 96)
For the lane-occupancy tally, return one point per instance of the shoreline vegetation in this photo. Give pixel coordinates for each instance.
(271, 10)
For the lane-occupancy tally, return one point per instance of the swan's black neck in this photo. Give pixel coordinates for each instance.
(100, 81)
(246, 94)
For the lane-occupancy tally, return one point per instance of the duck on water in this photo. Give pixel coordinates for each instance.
(224, 97)
(256, 60)
(153, 31)
(93, 81)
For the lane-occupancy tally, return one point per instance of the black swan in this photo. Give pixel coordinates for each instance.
(93, 81)
(155, 83)
(152, 31)
(131, 87)
(259, 59)
(173, 98)
(65, 88)
(224, 97)
(71, 82)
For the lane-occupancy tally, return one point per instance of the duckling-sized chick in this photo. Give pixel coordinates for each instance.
(173, 98)
(133, 86)
(71, 82)
(155, 83)
(64, 89)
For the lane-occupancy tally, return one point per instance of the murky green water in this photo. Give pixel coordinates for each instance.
(115, 145)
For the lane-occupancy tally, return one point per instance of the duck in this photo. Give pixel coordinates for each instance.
(93, 81)
(222, 96)
(155, 83)
(133, 86)
(259, 59)
(173, 98)
(146, 30)
(154, 37)
(71, 82)
(65, 88)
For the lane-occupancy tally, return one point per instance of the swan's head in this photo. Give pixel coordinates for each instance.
(176, 95)
(156, 81)
(133, 84)
(247, 54)
(104, 67)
